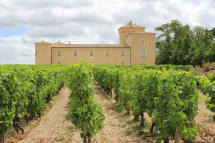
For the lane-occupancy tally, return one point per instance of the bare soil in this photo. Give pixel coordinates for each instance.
(205, 124)
(53, 126)
(118, 127)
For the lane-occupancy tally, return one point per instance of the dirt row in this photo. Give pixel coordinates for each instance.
(54, 127)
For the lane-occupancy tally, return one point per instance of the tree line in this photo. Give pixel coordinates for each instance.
(182, 45)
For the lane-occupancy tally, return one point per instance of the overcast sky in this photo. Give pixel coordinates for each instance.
(24, 22)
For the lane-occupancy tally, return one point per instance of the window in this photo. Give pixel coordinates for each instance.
(143, 42)
(123, 53)
(58, 62)
(36, 52)
(123, 62)
(143, 53)
(107, 53)
(75, 53)
(59, 53)
(91, 53)
(107, 63)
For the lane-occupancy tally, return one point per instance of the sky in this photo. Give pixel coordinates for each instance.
(24, 22)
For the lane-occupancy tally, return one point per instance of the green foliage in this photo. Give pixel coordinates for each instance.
(84, 113)
(166, 92)
(143, 67)
(207, 86)
(7, 102)
(88, 117)
(27, 89)
(176, 106)
(105, 78)
(127, 85)
(24, 90)
(170, 97)
(180, 45)
(213, 31)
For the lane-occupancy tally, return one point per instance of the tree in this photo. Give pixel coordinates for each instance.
(213, 31)
(166, 40)
(182, 46)
(179, 44)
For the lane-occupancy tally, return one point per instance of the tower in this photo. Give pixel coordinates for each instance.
(142, 43)
(129, 28)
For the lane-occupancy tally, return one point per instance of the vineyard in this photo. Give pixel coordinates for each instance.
(167, 94)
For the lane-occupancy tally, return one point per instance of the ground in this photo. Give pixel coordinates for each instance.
(204, 120)
(118, 127)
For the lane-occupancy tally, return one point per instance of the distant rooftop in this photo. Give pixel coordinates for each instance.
(90, 45)
(132, 25)
(127, 26)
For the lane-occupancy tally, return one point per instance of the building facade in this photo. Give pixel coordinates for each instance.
(136, 47)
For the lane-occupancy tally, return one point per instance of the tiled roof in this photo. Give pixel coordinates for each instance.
(91, 45)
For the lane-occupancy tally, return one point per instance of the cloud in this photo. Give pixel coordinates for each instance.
(15, 50)
(88, 21)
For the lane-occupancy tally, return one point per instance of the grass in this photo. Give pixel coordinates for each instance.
(147, 125)
(203, 98)
(120, 120)
(124, 125)
(211, 116)
(118, 108)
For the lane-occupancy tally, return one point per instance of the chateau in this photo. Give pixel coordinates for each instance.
(136, 47)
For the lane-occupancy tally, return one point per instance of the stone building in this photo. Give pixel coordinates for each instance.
(136, 47)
